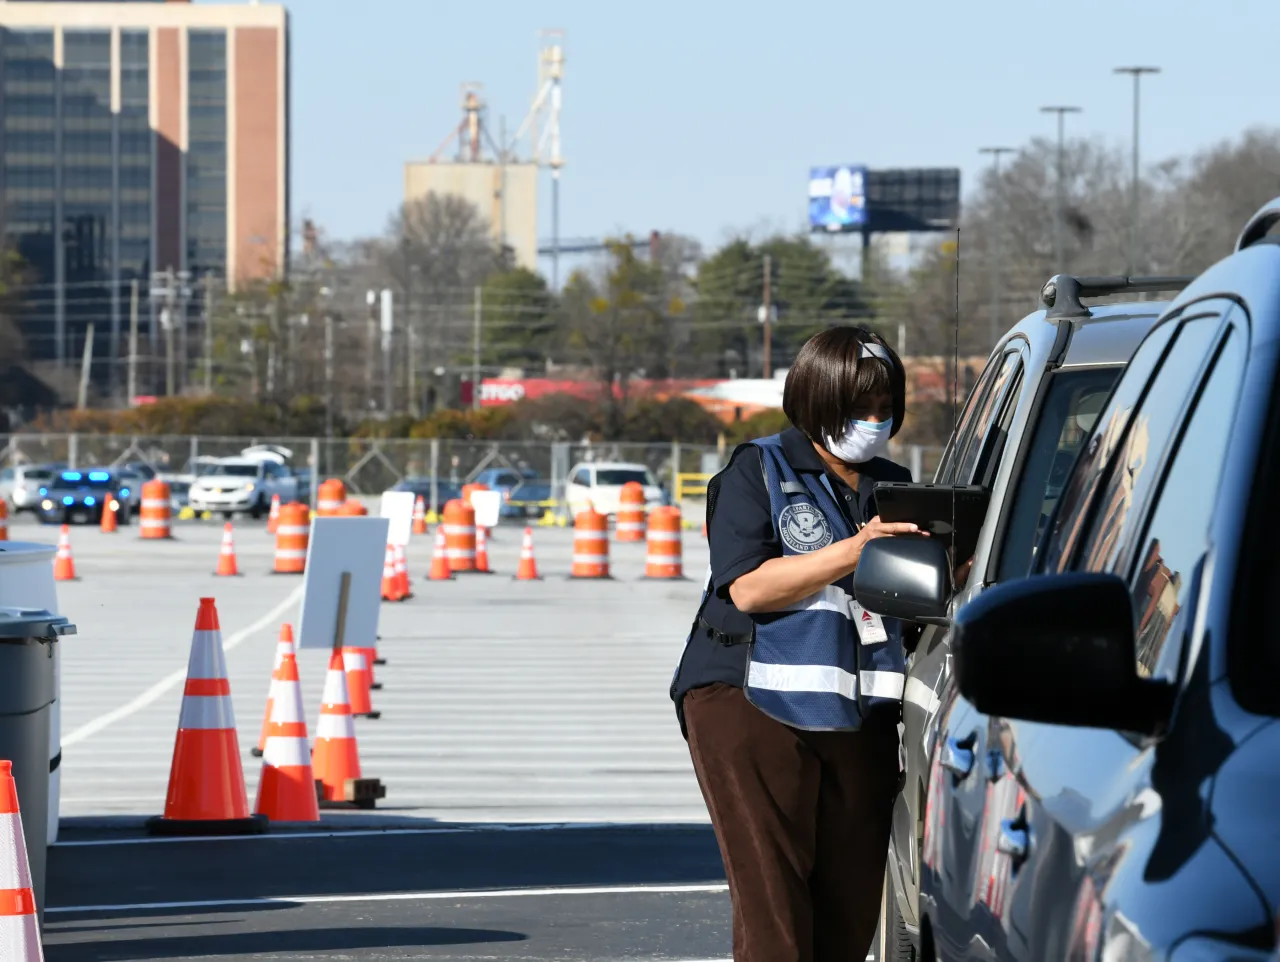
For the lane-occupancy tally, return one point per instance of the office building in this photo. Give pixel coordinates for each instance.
(137, 138)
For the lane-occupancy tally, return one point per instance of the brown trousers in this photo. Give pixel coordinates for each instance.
(802, 819)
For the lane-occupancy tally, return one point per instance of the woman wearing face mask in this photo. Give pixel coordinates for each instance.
(788, 691)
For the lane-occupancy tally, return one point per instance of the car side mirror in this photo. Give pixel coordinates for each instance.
(907, 577)
(1058, 649)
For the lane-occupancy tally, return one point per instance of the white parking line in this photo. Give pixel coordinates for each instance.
(175, 678)
(397, 897)
(357, 833)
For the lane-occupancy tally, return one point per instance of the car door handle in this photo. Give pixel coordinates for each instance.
(957, 756)
(1014, 840)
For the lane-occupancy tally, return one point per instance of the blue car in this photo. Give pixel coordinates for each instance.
(78, 497)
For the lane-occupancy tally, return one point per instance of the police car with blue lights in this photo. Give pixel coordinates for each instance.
(72, 497)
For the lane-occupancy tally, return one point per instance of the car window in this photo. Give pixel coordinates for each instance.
(985, 419)
(582, 477)
(6, 474)
(1178, 529)
(1072, 510)
(621, 476)
(236, 470)
(37, 474)
(969, 415)
(1135, 468)
(1072, 402)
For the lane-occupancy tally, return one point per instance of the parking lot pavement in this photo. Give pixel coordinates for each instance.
(502, 701)
(439, 892)
(505, 706)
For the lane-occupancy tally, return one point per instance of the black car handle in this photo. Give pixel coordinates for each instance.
(957, 755)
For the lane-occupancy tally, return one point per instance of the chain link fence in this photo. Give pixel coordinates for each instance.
(369, 466)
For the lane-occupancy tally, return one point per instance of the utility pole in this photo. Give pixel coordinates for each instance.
(371, 343)
(86, 363)
(766, 320)
(208, 332)
(328, 372)
(387, 328)
(411, 335)
(996, 254)
(1059, 214)
(475, 353)
(133, 343)
(1136, 72)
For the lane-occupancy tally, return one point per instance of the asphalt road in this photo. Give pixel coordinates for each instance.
(444, 892)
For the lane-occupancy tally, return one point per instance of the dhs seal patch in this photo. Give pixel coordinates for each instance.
(804, 528)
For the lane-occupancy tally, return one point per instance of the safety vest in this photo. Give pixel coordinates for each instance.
(824, 663)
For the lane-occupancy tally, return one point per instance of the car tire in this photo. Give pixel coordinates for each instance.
(258, 509)
(893, 941)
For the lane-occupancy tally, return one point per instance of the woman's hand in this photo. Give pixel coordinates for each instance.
(875, 528)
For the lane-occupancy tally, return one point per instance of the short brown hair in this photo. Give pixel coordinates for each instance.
(830, 375)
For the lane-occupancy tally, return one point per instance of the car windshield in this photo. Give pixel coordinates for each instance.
(619, 476)
(1072, 404)
(235, 470)
(36, 474)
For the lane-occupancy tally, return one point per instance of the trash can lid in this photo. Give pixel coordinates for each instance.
(33, 623)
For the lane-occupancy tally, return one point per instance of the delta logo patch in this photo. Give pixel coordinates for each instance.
(804, 528)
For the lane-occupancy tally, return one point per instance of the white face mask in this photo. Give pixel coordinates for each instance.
(862, 441)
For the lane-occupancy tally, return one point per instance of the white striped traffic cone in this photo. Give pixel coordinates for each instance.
(287, 789)
(19, 927)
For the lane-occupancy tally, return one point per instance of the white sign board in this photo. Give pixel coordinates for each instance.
(357, 546)
(487, 505)
(397, 507)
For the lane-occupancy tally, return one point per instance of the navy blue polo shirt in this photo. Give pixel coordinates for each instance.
(742, 537)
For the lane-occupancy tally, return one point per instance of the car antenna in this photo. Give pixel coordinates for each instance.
(955, 402)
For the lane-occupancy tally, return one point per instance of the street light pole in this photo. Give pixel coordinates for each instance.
(1059, 214)
(996, 253)
(1136, 72)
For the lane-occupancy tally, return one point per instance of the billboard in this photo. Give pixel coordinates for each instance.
(837, 198)
(913, 199)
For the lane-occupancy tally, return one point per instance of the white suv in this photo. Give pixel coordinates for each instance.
(243, 485)
(20, 485)
(598, 485)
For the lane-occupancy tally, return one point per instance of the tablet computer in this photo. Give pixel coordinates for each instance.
(954, 512)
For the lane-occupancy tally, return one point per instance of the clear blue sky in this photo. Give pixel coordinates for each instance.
(703, 116)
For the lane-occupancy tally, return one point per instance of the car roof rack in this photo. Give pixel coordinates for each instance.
(1259, 225)
(1062, 292)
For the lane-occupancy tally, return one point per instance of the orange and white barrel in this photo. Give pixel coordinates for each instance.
(469, 489)
(629, 522)
(663, 550)
(156, 516)
(351, 508)
(329, 497)
(293, 532)
(459, 526)
(4, 520)
(590, 545)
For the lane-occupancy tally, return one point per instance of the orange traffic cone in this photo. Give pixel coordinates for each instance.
(287, 788)
(355, 662)
(528, 568)
(206, 782)
(482, 551)
(4, 521)
(273, 516)
(19, 926)
(284, 646)
(402, 573)
(419, 516)
(390, 579)
(109, 521)
(64, 567)
(335, 763)
(227, 555)
(441, 570)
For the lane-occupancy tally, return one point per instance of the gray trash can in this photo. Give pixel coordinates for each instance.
(27, 637)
